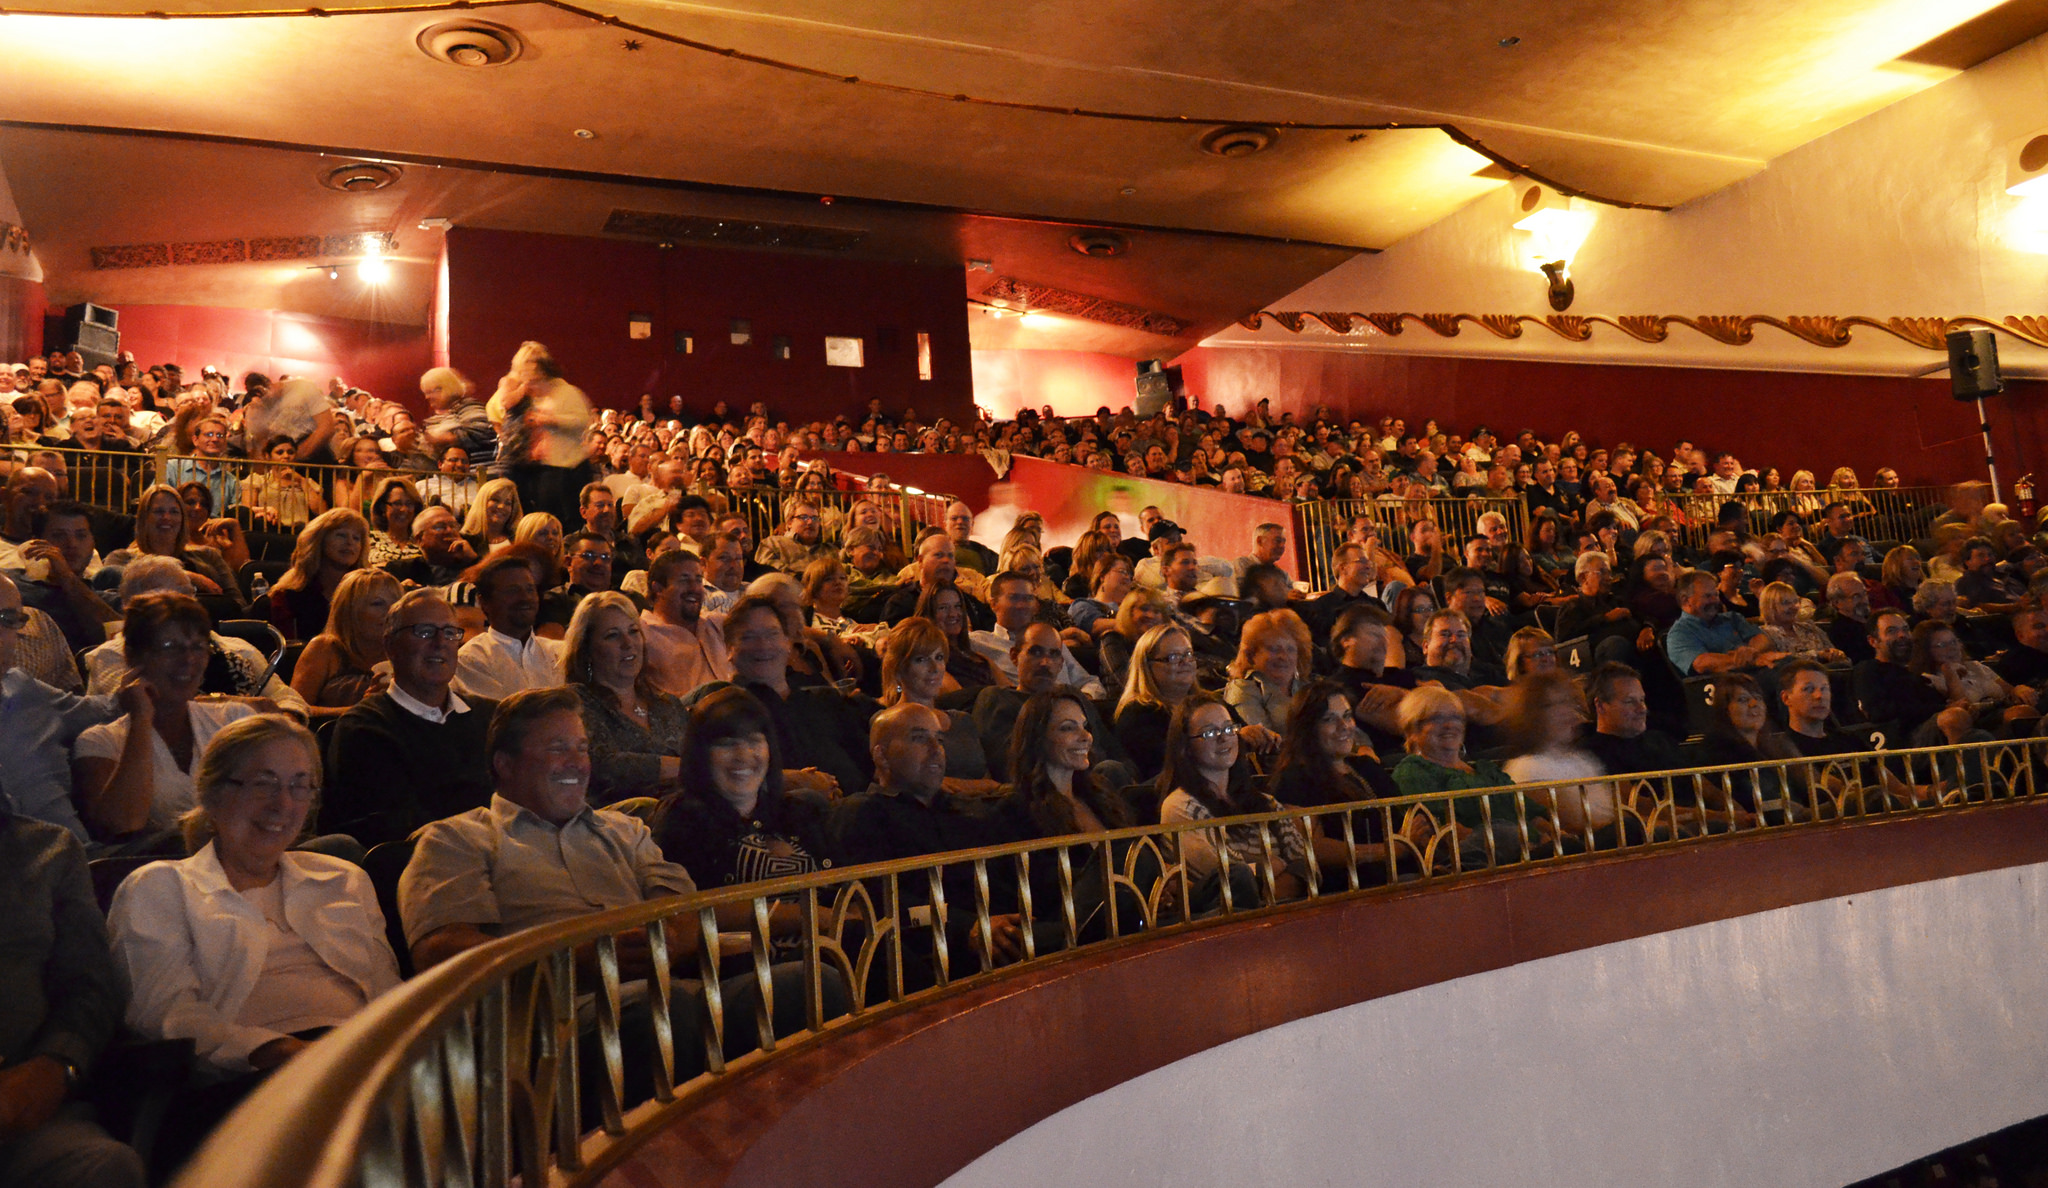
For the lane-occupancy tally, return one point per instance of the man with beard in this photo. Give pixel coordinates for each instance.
(413, 752)
(801, 542)
(1447, 655)
(685, 647)
(935, 565)
(1900, 701)
(1704, 640)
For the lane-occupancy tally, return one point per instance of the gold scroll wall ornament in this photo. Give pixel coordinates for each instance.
(1821, 330)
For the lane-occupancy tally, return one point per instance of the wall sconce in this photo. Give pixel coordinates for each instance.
(1555, 230)
(639, 325)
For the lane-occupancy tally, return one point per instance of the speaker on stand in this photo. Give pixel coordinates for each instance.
(1973, 375)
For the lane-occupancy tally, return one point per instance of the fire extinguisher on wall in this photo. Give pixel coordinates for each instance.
(2023, 490)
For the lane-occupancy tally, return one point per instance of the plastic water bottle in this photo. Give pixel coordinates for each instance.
(259, 590)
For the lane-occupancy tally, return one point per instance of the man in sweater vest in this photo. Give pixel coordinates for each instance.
(413, 753)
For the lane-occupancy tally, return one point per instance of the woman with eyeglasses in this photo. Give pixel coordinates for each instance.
(1162, 676)
(135, 774)
(340, 665)
(250, 949)
(1201, 778)
(392, 508)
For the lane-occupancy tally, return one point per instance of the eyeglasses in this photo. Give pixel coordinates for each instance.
(593, 557)
(13, 620)
(301, 789)
(424, 632)
(1218, 733)
(1176, 659)
(178, 647)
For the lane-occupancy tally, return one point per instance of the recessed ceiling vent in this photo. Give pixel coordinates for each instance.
(360, 177)
(471, 43)
(1100, 244)
(1239, 140)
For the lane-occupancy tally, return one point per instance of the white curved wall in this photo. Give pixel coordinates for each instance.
(1813, 1045)
(1902, 213)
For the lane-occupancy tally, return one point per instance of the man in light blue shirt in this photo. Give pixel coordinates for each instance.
(1705, 640)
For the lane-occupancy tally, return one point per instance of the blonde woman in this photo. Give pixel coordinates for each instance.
(1025, 558)
(163, 530)
(1141, 609)
(914, 658)
(1161, 676)
(542, 420)
(1272, 665)
(493, 517)
(329, 549)
(544, 532)
(1805, 499)
(1778, 608)
(346, 662)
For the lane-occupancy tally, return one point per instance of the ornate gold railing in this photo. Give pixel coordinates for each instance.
(473, 1073)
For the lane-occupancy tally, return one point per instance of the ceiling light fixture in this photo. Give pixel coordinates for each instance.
(1238, 140)
(360, 177)
(1099, 244)
(436, 224)
(374, 269)
(470, 43)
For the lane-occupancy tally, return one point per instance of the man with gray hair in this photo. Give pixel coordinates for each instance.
(233, 669)
(1269, 544)
(412, 752)
(1849, 597)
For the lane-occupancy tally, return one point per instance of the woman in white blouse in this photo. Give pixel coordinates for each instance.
(249, 948)
(136, 772)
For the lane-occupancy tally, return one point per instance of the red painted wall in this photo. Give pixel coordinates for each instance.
(1768, 418)
(1069, 497)
(21, 318)
(380, 357)
(1075, 383)
(575, 294)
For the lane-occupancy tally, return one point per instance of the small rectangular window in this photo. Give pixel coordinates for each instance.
(924, 355)
(780, 345)
(742, 332)
(844, 352)
(639, 325)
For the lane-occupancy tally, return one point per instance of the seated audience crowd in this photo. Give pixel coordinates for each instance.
(531, 660)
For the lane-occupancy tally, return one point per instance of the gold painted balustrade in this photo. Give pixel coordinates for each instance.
(469, 1074)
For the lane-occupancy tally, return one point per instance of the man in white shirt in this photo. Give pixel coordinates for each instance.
(685, 646)
(508, 656)
(1268, 546)
(1727, 469)
(1016, 607)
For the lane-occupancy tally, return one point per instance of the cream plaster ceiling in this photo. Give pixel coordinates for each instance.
(1643, 101)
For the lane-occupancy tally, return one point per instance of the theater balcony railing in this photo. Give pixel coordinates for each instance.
(470, 1073)
(252, 491)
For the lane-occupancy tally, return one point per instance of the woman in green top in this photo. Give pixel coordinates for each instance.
(1433, 725)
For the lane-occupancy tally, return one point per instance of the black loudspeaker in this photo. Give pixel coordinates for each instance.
(1157, 386)
(93, 331)
(1973, 364)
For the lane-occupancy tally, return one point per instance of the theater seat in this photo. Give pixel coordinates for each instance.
(1576, 654)
(260, 635)
(385, 862)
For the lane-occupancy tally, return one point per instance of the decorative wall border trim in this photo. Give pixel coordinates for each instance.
(236, 251)
(1821, 330)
